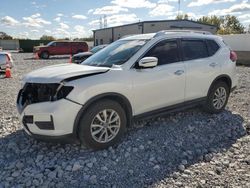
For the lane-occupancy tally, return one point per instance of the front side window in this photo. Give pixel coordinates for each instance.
(116, 53)
(165, 51)
(194, 49)
(52, 43)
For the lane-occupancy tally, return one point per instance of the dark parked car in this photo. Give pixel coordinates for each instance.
(80, 57)
(60, 48)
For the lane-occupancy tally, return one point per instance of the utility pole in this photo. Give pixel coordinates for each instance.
(100, 22)
(179, 7)
(105, 24)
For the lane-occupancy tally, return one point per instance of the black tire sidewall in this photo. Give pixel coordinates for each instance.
(86, 120)
(42, 55)
(209, 104)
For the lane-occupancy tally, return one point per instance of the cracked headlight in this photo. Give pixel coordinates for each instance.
(35, 93)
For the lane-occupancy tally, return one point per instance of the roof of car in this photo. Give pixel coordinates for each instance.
(171, 33)
(138, 37)
(68, 41)
(4, 53)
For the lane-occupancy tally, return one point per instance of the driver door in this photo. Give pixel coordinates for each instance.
(160, 86)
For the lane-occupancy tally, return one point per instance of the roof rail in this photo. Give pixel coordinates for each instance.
(164, 32)
(130, 35)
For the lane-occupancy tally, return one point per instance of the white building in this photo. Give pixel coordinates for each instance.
(110, 34)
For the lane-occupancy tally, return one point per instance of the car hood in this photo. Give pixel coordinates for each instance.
(61, 72)
(40, 46)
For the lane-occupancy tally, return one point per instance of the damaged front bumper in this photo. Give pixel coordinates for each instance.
(45, 119)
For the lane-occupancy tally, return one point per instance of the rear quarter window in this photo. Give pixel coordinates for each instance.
(3, 58)
(212, 46)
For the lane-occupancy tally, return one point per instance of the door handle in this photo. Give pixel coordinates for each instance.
(213, 64)
(179, 72)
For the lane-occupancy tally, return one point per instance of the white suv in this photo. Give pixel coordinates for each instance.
(134, 77)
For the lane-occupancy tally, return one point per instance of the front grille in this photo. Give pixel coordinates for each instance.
(35, 93)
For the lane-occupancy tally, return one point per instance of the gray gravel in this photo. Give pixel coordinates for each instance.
(185, 149)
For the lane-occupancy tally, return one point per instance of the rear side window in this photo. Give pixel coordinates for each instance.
(3, 58)
(165, 51)
(212, 47)
(194, 49)
(63, 44)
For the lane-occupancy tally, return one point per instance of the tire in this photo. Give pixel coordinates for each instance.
(45, 55)
(220, 88)
(90, 129)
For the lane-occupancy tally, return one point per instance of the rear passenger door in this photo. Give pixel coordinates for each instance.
(62, 48)
(201, 67)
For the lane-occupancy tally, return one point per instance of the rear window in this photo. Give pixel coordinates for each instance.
(212, 46)
(194, 49)
(78, 43)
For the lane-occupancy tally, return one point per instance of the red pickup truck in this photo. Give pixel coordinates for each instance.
(60, 48)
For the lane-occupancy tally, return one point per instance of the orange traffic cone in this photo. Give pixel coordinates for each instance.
(36, 56)
(7, 71)
(70, 59)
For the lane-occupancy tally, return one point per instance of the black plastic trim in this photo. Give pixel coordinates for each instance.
(28, 119)
(233, 88)
(170, 109)
(219, 77)
(82, 76)
(46, 125)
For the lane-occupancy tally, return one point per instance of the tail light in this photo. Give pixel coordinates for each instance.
(233, 56)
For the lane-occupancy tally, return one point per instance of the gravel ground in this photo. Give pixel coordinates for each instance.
(185, 149)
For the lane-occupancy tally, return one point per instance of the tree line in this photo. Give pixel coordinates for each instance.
(5, 36)
(226, 25)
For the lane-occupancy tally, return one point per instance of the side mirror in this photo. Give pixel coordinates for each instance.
(148, 62)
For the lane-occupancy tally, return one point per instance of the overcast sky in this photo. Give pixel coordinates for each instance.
(77, 18)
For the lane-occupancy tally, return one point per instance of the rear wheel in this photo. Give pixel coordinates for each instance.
(45, 55)
(102, 125)
(217, 97)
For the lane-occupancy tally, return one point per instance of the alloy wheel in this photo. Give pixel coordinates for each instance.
(220, 97)
(105, 125)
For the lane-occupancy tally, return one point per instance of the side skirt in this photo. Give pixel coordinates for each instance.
(170, 109)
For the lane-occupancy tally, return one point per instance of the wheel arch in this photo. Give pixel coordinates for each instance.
(121, 99)
(225, 78)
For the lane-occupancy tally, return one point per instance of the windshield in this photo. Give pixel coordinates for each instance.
(96, 49)
(50, 43)
(116, 53)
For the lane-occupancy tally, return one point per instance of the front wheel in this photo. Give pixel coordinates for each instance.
(217, 97)
(102, 125)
